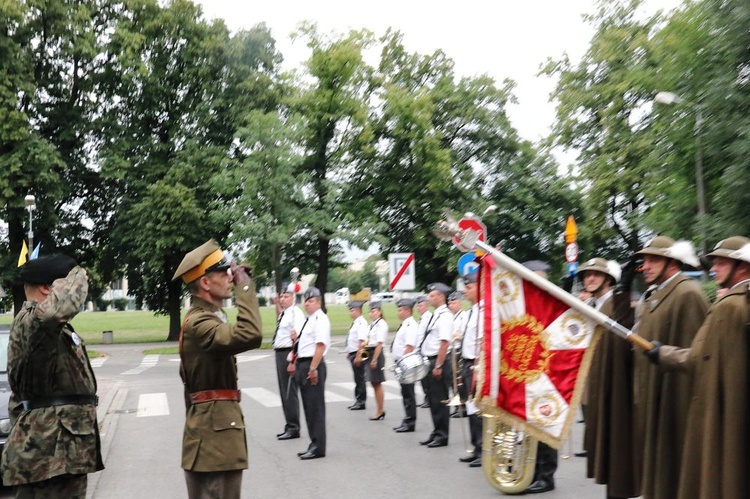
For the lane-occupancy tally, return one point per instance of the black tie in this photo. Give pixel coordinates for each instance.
(278, 323)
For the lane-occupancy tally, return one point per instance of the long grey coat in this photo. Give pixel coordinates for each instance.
(716, 461)
(671, 315)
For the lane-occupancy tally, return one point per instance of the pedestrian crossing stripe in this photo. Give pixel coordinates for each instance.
(98, 361)
(148, 362)
(156, 404)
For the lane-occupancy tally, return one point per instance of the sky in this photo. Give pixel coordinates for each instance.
(501, 38)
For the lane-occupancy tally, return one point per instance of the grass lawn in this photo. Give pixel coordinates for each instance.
(146, 327)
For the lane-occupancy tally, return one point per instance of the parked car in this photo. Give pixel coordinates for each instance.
(4, 385)
(383, 297)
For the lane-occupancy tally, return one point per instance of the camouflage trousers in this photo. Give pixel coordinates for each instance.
(67, 486)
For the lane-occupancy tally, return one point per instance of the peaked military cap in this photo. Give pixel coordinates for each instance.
(206, 258)
(471, 277)
(355, 304)
(440, 288)
(312, 292)
(420, 299)
(406, 302)
(536, 266)
(376, 305)
(46, 269)
(727, 246)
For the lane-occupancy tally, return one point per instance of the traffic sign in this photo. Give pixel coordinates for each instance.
(401, 270)
(467, 265)
(571, 252)
(474, 224)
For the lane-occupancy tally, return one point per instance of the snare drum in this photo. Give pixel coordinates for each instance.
(411, 368)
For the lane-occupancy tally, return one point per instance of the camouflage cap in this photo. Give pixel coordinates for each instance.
(727, 246)
(46, 269)
(206, 258)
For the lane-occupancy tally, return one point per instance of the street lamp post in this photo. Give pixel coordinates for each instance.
(30, 201)
(669, 98)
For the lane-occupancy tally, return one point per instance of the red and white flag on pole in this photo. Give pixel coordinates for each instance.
(536, 355)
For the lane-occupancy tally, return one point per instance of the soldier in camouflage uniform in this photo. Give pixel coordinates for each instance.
(54, 441)
(214, 445)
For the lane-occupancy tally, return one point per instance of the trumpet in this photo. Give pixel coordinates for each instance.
(362, 354)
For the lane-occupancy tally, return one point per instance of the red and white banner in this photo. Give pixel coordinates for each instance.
(536, 355)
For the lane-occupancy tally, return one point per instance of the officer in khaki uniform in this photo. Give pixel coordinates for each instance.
(214, 446)
(716, 460)
(54, 441)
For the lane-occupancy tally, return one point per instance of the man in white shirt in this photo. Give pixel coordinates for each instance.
(354, 342)
(309, 369)
(459, 324)
(423, 309)
(404, 343)
(289, 322)
(435, 347)
(470, 349)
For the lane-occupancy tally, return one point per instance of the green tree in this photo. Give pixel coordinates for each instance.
(600, 114)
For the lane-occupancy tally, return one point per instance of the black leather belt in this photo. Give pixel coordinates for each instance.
(41, 402)
(285, 349)
(303, 359)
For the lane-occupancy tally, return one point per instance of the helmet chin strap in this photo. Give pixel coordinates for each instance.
(730, 276)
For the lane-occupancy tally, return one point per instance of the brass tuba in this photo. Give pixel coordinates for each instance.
(508, 456)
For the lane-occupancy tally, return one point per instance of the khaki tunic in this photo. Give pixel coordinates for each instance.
(716, 461)
(214, 435)
(671, 315)
(608, 438)
(47, 359)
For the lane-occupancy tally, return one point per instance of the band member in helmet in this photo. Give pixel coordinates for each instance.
(609, 422)
(670, 311)
(716, 458)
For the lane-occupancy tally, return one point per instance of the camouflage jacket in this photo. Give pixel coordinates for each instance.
(47, 359)
(214, 434)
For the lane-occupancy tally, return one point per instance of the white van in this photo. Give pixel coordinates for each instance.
(342, 296)
(383, 297)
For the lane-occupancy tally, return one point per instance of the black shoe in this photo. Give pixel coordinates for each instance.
(426, 442)
(309, 449)
(477, 463)
(311, 454)
(467, 459)
(357, 407)
(288, 435)
(437, 443)
(583, 453)
(379, 418)
(540, 486)
(457, 414)
(425, 405)
(404, 429)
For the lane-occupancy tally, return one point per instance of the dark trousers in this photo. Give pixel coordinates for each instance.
(546, 463)
(210, 484)
(314, 403)
(425, 388)
(410, 405)
(475, 421)
(360, 388)
(437, 394)
(68, 486)
(288, 390)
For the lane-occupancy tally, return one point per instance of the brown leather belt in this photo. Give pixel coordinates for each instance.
(214, 395)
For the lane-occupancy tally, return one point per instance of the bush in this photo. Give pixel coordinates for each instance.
(262, 301)
(102, 304)
(120, 303)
